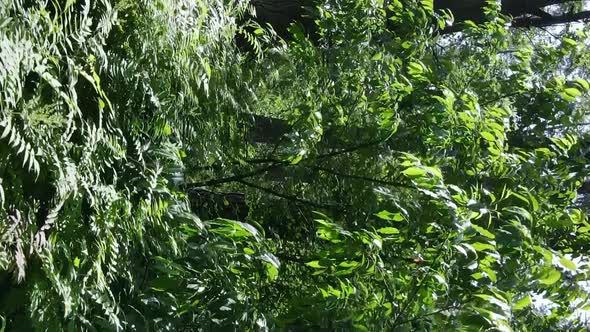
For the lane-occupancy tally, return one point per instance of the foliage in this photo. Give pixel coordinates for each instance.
(419, 180)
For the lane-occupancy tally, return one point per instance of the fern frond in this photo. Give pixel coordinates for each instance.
(20, 146)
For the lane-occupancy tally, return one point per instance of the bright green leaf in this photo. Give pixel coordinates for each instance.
(483, 232)
(386, 215)
(522, 303)
(568, 263)
(488, 136)
(549, 277)
(573, 92)
(388, 230)
(583, 83)
(315, 264)
(414, 172)
(479, 246)
(569, 41)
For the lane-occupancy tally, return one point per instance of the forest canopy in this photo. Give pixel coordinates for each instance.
(334, 165)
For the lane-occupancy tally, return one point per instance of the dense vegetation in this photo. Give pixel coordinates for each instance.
(181, 165)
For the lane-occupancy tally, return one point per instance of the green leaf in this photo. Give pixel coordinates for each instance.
(576, 216)
(483, 232)
(479, 246)
(568, 97)
(522, 303)
(414, 171)
(4, 21)
(517, 210)
(297, 159)
(583, 83)
(207, 68)
(7, 129)
(428, 5)
(534, 202)
(349, 264)
(488, 136)
(573, 92)
(388, 230)
(441, 280)
(568, 263)
(315, 264)
(521, 197)
(386, 215)
(272, 272)
(360, 327)
(433, 171)
(490, 273)
(415, 69)
(233, 229)
(549, 277)
(167, 130)
(501, 303)
(569, 41)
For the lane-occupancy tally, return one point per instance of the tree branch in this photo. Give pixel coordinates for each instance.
(289, 197)
(279, 163)
(363, 178)
(353, 148)
(234, 178)
(583, 16)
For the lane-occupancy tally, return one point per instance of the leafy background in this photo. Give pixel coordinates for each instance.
(181, 165)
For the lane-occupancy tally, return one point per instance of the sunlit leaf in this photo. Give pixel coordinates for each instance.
(314, 264)
(568, 263)
(549, 277)
(388, 230)
(483, 232)
(488, 136)
(479, 246)
(386, 215)
(414, 172)
(522, 303)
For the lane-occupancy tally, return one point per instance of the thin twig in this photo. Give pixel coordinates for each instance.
(234, 178)
(419, 285)
(428, 314)
(288, 197)
(279, 163)
(363, 178)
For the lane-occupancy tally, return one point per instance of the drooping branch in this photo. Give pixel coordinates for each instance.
(233, 178)
(363, 178)
(290, 197)
(583, 16)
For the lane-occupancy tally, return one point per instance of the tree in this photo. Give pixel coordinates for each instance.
(526, 13)
(403, 180)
